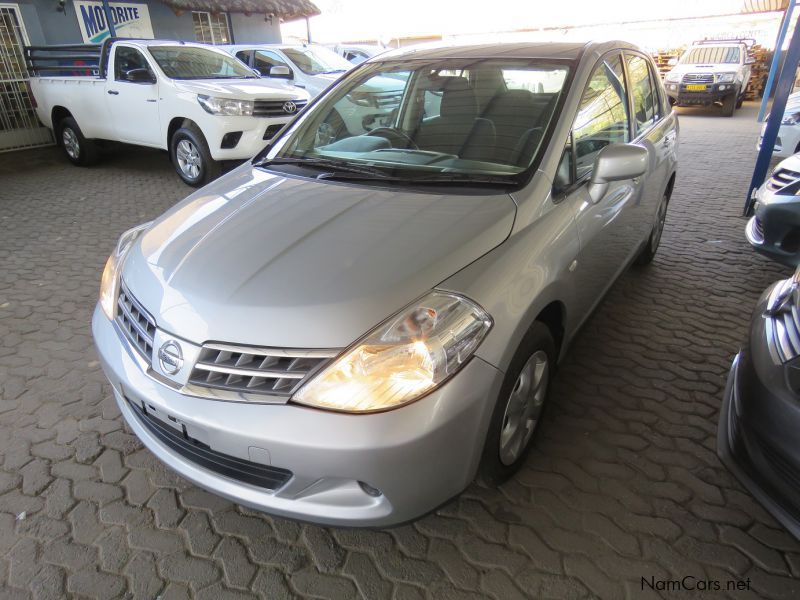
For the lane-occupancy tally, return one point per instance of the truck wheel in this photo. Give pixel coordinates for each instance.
(189, 152)
(728, 105)
(740, 101)
(520, 405)
(78, 149)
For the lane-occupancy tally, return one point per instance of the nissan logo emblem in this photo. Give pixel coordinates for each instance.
(289, 106)
(170, 357)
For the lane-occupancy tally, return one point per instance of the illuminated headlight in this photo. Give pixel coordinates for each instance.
(673, 77)
(226, 107)
(404, 358)
(792, 119)
(109, 282)
(724, 77)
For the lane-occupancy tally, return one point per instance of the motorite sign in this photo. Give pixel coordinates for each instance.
(131, 20)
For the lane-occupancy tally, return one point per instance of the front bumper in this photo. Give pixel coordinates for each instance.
(714, 92)
(756, 440)
(419, 456)
(774, 230)
(787, 143)
(255, 133)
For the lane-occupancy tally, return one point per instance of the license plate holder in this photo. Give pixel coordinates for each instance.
(696, 87)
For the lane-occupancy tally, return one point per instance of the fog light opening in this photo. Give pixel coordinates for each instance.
(369, 490)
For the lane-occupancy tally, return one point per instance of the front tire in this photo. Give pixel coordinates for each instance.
(728, 105)
(648, 253)
(191, 157)
(78, 150)
(520, 406)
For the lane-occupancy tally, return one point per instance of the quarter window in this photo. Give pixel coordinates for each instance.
(211, 28)
(602, 117)
(642, 91)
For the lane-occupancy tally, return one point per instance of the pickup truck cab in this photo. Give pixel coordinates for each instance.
(711, 72)
(200, 104)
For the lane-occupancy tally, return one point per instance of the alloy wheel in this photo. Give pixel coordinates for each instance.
(71, 144)
(189, 160)
(524, 407)
(655, 239)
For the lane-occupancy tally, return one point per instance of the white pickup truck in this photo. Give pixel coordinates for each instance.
(201, 104)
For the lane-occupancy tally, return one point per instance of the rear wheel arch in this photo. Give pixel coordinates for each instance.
(58, 114)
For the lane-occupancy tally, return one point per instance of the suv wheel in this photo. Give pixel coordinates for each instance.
(78, 149)
(728, 105)
(191, 157)
(520, 406)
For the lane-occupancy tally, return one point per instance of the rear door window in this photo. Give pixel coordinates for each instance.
(643, 93)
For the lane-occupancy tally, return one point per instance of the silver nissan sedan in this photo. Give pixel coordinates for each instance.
(351, 327)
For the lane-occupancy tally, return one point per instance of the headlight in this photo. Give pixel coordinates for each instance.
(673, 77)
(792, 119)
(402, 359)
(109, 282)
(724, 77)
(224, 106)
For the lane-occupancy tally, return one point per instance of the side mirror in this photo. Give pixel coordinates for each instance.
(280, 72)
(140, 76)
(672, 61)
(616, 162)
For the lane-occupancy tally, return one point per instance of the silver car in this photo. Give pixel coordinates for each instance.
(349, 330)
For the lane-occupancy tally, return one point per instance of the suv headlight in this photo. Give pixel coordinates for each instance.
(673, 77)
(724, 77)
(109, 282)
(225, 106)
(402, 359)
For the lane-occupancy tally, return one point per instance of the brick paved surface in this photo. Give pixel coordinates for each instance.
(624, 482)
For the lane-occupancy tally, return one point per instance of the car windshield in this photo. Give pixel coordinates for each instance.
(317, 61)
(712, 55)
(429, 120)
(191, 62)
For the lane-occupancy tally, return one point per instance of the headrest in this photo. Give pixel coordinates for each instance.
(458, 98)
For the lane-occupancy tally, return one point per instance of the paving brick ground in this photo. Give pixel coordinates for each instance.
(624, 483)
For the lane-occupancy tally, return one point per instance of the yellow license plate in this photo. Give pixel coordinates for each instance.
(696, 87)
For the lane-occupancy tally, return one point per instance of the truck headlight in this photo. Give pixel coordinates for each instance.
(226, 106)
(724, 77)
(402, 359)
(673, 77)
(109, 282)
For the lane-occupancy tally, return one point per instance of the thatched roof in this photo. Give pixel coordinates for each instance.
(287, 10)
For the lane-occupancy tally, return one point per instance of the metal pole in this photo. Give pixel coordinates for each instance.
(308, 29)
(111, 29)
(782, 91)
(776, 59)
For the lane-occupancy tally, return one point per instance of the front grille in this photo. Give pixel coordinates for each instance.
(698, 78)
(277, 108)
(783, 322)
(781, 178)
(264, 476)
(789, 473)
(269, 371)
(388, 99)
(137, 324)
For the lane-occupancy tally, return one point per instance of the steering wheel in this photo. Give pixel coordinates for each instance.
(394, 135)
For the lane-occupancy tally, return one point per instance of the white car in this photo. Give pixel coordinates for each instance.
(316, 68)
(312, 67)
(201, 104)
(788, 142)
(357, 53)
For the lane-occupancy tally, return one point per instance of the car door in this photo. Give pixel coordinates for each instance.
(133, 105)
(652, 131)
(606, 227)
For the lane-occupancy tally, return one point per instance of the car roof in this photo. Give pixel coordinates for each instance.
(553, 50)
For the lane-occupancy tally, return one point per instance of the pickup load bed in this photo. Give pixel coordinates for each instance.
(199, 103)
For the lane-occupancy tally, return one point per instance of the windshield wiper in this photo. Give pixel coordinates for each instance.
(332, 71)
(466, 178)
(334, 165)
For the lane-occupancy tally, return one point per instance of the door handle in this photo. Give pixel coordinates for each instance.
(113, 92)
(151, 100)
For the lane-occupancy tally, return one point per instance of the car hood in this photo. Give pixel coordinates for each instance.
(264, 259)
(243, 89)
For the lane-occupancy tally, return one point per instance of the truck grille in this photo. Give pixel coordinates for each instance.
(264, 476)
(277, 108)
(137, 324)
(783, 322)
(388, 99)
(268, 371)
(781, 178)
(698, 78)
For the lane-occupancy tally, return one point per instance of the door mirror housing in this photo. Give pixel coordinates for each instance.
(140, 76)
(616, 162)
(281, 72)
(672, 61)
